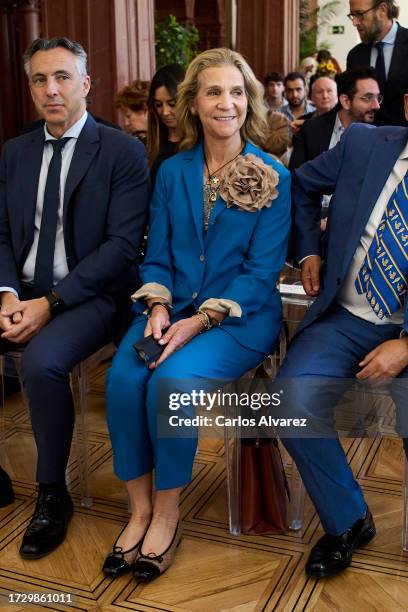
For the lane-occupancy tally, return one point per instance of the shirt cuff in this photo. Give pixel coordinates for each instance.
(226, 307)
(150, 291)
(9, 290)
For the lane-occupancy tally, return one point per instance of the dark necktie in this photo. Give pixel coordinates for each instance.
(44, 262)
(380, 66)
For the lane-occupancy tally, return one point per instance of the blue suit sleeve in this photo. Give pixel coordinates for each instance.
(312, 180)
(265, 256)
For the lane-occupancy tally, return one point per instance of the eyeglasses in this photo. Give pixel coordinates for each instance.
(371, 97)
(359, 15)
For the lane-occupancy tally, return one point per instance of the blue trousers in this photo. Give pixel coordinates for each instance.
(132, 401)
(331, 347)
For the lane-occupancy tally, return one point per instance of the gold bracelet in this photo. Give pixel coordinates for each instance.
(207, 321)
(201, 317)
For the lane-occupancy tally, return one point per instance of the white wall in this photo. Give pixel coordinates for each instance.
(403, 18)
(340, 44)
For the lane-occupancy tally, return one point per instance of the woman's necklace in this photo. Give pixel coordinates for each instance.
(212, 188)
(214, 181)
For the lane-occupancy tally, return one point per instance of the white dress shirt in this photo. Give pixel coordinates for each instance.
(348, 296)
(338, 131)
(60, 259)
(388, 48)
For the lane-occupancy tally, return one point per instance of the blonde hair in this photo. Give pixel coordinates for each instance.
(189, 125)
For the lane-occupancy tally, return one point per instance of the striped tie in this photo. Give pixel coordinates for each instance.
(383, 275)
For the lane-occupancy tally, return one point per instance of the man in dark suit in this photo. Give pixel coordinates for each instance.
(384, 46)
(359, 101)
(356, 327)
(73, 198)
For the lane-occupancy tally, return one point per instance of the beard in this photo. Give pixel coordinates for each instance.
(373, 33)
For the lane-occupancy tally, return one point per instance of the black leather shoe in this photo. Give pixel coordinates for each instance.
(115, 563)
(332, 554)
(49, 524)
(6, 489)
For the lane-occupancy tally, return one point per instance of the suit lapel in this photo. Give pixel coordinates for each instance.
(326, 134)
(31, 162)
(85, 149)
(380, 165)
(399, 58)
(193, 178)
(364, 55)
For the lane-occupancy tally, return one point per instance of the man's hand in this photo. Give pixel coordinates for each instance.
(386, 361)
(8, 299)
(34, 314)
(296, 125)
(310, 274)
(177, 336)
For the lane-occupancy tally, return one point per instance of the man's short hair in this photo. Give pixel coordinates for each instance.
(347, 81)
(293, 76)
(316, 77)
(392, 8)
(273, 77)
(46, 44)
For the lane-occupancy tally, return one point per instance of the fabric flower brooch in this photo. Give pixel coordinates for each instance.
(249, 184)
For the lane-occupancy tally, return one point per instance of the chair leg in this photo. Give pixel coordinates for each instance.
(79, 381)
(233, 466)
(17, 366)
(405, 508)
(2, 414)
(297, 500)
(232, 442)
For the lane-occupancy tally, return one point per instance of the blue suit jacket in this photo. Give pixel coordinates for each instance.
(356, 171)
(238, 259)
(105, 201)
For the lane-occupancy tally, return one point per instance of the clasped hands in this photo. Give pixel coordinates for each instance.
(176, 336)
(22, 320)
(387, 360)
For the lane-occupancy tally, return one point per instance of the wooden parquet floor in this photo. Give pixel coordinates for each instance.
(213, 570)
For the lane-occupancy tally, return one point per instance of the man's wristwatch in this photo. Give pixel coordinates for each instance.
(57, 305)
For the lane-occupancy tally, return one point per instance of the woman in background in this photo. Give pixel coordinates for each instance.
(132, 101)
(162, 136)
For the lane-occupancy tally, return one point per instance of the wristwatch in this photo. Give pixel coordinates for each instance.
(57, 305)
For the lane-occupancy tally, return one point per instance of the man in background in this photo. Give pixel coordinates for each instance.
(296, 96)
(384, 46)
(359, 101)
(323, 94)
(274, 88)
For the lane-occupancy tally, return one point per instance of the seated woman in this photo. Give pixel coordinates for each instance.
(132, 101)
(162, 135)
(219, 224)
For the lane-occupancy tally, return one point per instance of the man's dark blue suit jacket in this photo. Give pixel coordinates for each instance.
(105, 200)
(392, 108)
(355, 171)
